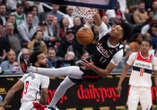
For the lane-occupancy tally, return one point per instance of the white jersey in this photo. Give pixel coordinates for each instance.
(33, 82)
(142, 69)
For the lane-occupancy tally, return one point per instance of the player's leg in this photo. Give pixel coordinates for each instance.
(72, 71)
(60, 91)
(133, 98)
(146, 98)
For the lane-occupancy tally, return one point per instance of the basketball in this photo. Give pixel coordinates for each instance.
(84, 35)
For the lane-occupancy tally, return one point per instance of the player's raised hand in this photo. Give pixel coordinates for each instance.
(97, 19)
(88, 63)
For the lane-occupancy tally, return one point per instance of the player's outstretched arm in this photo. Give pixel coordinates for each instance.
(100, 71)
(97, 19)
(123, 75)
(19, 85)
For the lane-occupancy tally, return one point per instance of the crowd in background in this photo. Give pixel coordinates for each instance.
(28, 26)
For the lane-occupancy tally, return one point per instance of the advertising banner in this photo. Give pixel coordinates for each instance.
(99, 95)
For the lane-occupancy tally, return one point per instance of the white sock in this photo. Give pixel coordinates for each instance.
(60, 91)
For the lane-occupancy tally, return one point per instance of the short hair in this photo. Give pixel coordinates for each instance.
(34, 35)
(127, 30)
(51, 48)
(2, 4)
(19, 5)
(33, 58)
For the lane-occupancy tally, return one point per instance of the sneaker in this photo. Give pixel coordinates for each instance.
(23, 63)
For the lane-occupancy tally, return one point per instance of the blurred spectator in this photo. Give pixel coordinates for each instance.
(153, 32)
(150, 17)
(49, 23)
(12, 19)
(147, 36)
(27, 5)
(84, 56)
(42, 7)
(69, 11)
(3, 15)
(135, 42)
(11, 4)
(51, 33)
(27, 30)
(54, 12)
(111, 13)
(118, 11)
(56, 28)
(64, 26)
(37, 43)
(1, 28)
(66, 44)
(69, 59)
(51, 57)
(34, 11)
(26, 53)
(10, 65)
(69, 16)
(95, 30)
(105, 19)
(77, 24)
(19, 14)
(70, 55)
(4, 47)
(140, 15)
(155, 9)
(12, 37)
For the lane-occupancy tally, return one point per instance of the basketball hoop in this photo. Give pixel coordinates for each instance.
(84, 12)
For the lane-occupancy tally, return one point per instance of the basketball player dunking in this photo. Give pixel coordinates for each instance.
(107, 54)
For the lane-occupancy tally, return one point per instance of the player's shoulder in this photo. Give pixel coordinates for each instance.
(41, 76)
(134, 54)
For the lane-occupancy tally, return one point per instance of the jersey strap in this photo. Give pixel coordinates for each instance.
(139, 57)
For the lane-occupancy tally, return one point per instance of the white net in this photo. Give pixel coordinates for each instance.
(84, 12)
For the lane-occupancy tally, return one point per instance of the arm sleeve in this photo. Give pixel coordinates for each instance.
(131, 58)
(117, 57)
(103, 30)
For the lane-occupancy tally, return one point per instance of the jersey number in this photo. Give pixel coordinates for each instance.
(26, 87)
(141, 71)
